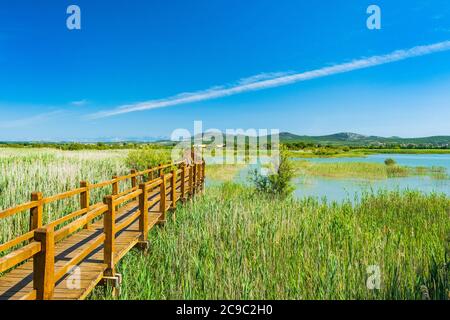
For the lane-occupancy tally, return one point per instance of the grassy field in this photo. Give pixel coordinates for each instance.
(51, 171)
(364, 170)
(233, 244)
(353, 153)
(223, 173)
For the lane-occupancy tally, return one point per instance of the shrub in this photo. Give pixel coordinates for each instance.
(279, 183)
(389, 162)
(142, 159)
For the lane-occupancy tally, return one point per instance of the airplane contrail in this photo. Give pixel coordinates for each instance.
(271, 80)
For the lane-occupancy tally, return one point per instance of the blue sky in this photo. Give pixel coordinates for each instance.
(59, 84)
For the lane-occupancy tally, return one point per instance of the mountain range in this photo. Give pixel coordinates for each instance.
(350, 139)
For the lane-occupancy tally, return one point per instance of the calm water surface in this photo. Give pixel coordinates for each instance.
(342, 189)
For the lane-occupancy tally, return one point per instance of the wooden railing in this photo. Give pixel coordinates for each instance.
(39, 242)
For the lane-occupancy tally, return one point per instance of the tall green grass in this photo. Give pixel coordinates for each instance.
(51, 171)
(365, 170)
(230, 244)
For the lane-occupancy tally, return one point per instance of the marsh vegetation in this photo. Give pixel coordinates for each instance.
(233, 242)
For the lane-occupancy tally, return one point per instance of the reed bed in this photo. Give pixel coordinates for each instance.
(51, 172)
(231, 244)
(365, 170)
(223, 172)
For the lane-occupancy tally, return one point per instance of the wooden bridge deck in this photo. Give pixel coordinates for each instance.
(18, 283)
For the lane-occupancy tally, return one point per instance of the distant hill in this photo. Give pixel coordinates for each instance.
(354, 139)
(349, 138)
(338, 139)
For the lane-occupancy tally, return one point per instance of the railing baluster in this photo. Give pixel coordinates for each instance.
(133, 179)
(150, 174)
(85, 199)
(194, 182)
(143, 218)
(200, 177)
(115, 186)
(191, 180)
(203, 174)
(183, 181)
(173, 191)
(110, 235)
(36, 212)
(162, 201)
(44, 264)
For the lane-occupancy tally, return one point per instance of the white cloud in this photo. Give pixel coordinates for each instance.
(79, 103)
(23, 122)
(271, 80)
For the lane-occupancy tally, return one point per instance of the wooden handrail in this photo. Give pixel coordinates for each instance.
(22, 207)
(79, 223)
(124, 198)
(25, 237)
(63, 195)
(16, 257)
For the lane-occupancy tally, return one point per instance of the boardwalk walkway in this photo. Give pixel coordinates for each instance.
(68, 263)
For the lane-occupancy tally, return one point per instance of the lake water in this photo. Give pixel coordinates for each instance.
(342, 189)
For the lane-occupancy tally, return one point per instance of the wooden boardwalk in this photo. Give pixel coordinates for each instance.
(69, 262)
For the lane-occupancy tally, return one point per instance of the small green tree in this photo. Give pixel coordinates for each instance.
(389, 162)
(144, 158)
(278, 183)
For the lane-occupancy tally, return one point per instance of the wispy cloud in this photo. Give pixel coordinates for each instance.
(27, 121)
(79, 103)
(271, 80)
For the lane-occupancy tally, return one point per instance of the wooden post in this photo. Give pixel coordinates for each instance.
(44, 264)
(115, 186)
(191, 180)
(36, 212)
(200, 176)
(203, 174)
(133, 179)
(183, 181)
(162, 201)
(173, 191)
(109, 228)
(150, 174)
(85, 199)
(143, 218)
(160, 172)
(194, 182)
